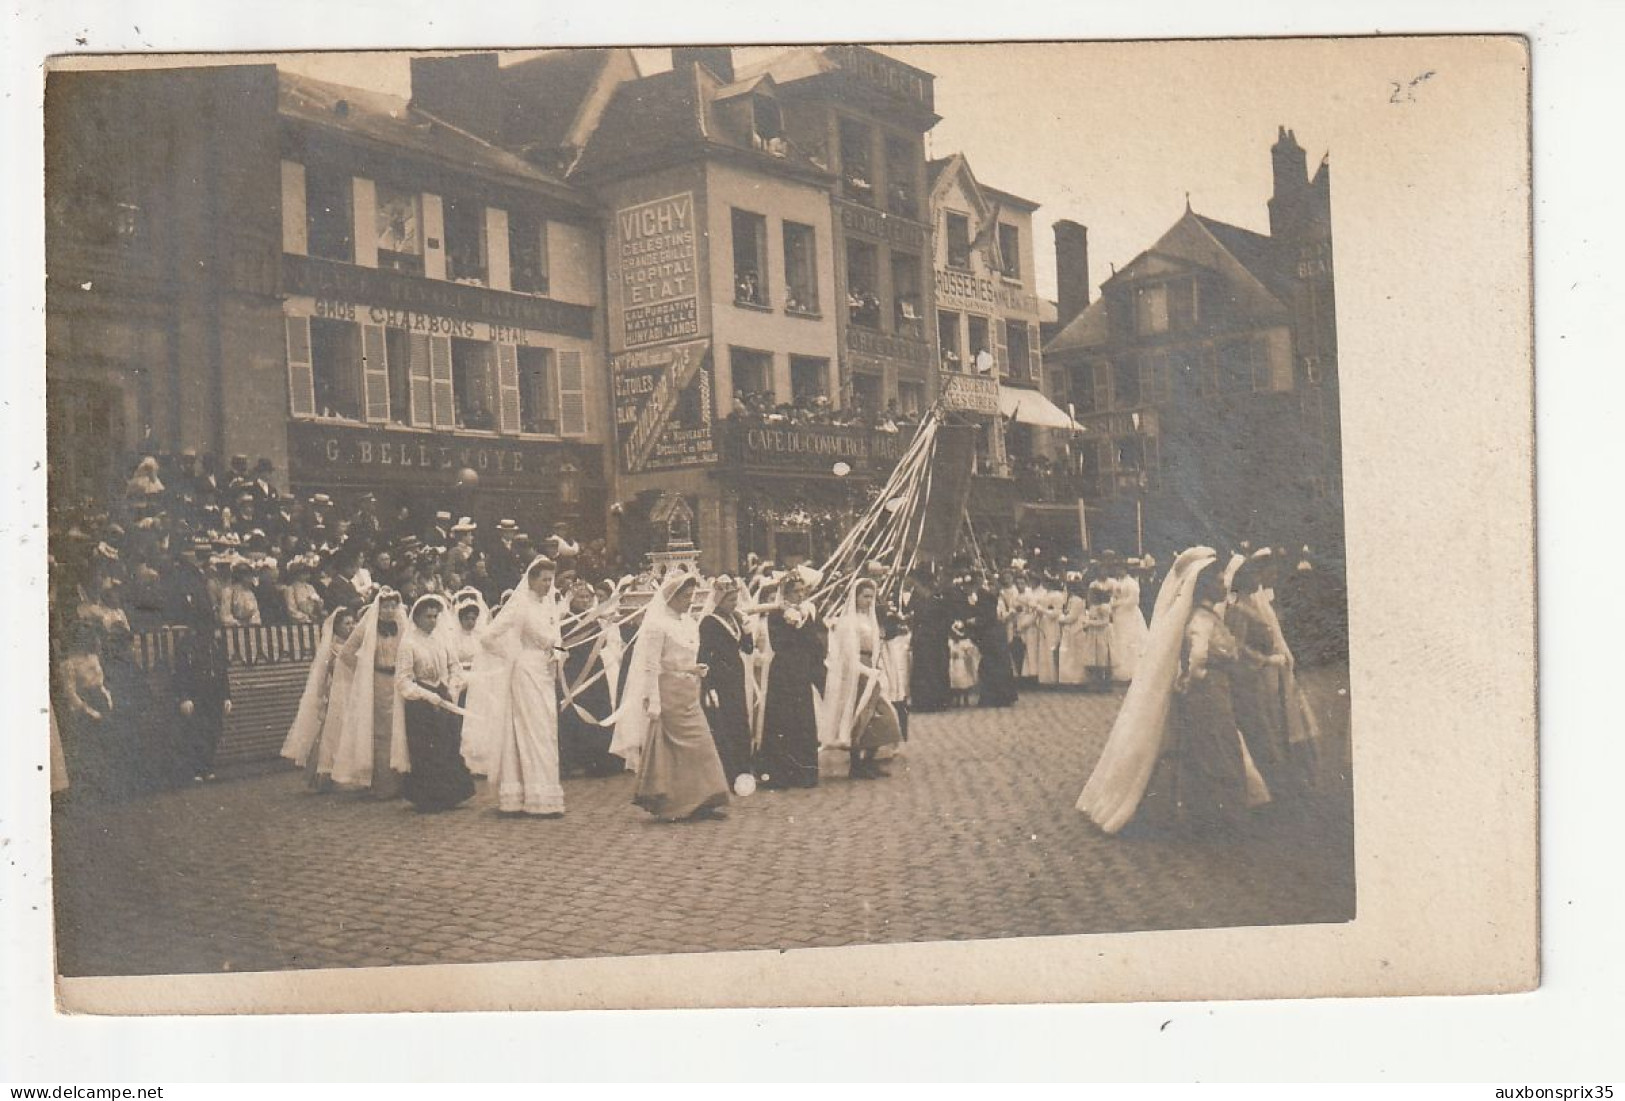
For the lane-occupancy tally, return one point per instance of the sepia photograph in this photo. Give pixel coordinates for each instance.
(517, 506)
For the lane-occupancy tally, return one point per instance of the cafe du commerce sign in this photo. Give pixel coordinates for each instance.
(356, 455)
(816, 448)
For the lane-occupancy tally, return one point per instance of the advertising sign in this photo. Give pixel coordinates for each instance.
(663, 418)
(657, 261)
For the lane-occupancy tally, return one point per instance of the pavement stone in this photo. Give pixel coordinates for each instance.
(974, 835)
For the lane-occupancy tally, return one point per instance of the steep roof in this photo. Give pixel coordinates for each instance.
(391, 121)
(1254, 251)
(542, 96)
(684, 112)
(1247, 261)
(646, 118)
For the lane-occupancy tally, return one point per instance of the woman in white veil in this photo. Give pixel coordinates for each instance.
(854, 713)
(1119, 780)
(326, 690)
(372, 751)
(511, 733)
(660, 729)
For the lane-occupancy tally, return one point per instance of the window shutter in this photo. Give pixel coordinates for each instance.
(375, 373)
(1001, 348)
(1153, 461)
(1035, 355)
(572, 395)
(1102, 379)
(422, 383)
(301, 376)
(508, 388)
(445, 402)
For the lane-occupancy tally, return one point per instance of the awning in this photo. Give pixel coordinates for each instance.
(1032, 407)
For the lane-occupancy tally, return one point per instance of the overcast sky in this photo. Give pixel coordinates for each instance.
(1112, 135)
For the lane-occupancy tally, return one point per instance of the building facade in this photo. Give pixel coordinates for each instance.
(1205, 377)
(372, 299)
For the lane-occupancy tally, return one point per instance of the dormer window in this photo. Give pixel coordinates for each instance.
(767, 126)
(857, 174)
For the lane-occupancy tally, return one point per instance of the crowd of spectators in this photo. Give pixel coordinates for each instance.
(266, 556)
(763, 407)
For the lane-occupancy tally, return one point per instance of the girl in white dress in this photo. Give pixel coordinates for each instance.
(511, 734)
(372, 752)
(305, 741)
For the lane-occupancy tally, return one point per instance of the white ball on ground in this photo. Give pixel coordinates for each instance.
(744, 784)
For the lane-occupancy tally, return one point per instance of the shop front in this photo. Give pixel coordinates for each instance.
(799, 488)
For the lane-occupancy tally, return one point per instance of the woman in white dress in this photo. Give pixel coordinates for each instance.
(1119, 780)
(1047, 606)
(1076, 646)
(855, 714)
(325, 692)
(371, 752)
(660, 729)
(1129, 630)
(511, 734)
(461, 630)
(1118, 784)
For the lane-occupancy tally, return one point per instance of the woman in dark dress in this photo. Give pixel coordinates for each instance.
(584, 701)
(992, 637)
(789, 753)
(426, 677)
(723, 646)
(933, 621)
(1212, 766)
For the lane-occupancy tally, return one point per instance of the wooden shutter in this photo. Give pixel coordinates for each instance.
(374, 374)
(1102, 379)
(422, 382)
(445, 401)
(1001, 348)
(1035, 354)
(572, 395)
(301, 375)
(508, 388)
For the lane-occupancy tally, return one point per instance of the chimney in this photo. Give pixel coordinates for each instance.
(1071, 269)
(1291, 170)
(719, 59)
(463, 91)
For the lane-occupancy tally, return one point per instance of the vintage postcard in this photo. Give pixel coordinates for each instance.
(819, 524)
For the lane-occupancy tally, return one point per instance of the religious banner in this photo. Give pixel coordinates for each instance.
(663, 418)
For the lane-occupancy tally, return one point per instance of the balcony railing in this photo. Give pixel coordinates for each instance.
(779, 444)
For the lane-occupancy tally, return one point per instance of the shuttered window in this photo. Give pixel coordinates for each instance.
(301, 378)
(445, 399)
(422, 381)
(1001, 347)
(375, 374)
(572, 395)
(507, 388)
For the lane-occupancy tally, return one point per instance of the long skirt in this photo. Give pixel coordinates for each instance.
(1129, 636)
(527, 772)
(386, 782)
(729, 721)
(1256, 696)
(876, 725)
(1212, 768)
(439, 780)
(1044, 660)
(682, 773)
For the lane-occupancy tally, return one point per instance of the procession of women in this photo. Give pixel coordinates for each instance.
(710, 688)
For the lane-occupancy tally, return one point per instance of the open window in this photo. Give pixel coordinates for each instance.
(958, 229)
(800, 269)
(863, 284)
(953, 355)
(750, 258)
(329, 215)
(465, 242)
(527, 252)
(857, 152)
(907, 307)
(398, 223)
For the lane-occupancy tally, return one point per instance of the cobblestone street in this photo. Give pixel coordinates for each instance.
(974, 835)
